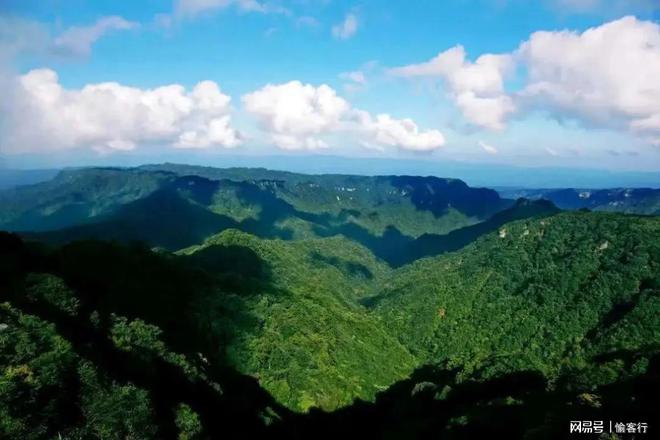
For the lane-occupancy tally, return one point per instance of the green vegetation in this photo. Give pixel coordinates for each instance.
(545, 295)
(253, 308)
(295, 322)
(147, 203)
(73, 197)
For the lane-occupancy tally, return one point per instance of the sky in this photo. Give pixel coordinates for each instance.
(552, 83)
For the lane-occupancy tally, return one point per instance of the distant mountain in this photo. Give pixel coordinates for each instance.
(627, 200)
(74, 197)
(148, 203)
(335, 193)
(10, 178)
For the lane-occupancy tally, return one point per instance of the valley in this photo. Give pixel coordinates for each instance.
(294, 305)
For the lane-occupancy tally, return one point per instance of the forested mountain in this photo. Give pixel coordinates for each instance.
(73, 197)
(384, 213)
(546, 295)
(542, 318)
(177, 302)
(629, 200)
(411, 205)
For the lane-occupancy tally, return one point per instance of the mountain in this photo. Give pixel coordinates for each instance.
(294, 320)
(10, 178)
(73, 197)
(549, 295)
(189, 302)
(628, 200)
(383, 213)
(536, 323)
(434, 244)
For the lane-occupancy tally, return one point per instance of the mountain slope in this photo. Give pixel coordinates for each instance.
(541, 321)
(73, 197)
(546, 295)
(387, 214)
(412, 205)
(305, 336)
(434, 244)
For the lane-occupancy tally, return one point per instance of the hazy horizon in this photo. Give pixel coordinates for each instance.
(474, 174)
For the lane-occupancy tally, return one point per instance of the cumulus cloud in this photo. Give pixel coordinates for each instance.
(41, 115)
(299, 116)
(296, 113)
(383, 130)
(78, 40)
(346, 29)
(487, 147)
(476, 88)
(607, 75)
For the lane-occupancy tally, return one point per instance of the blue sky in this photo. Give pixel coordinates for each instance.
(394, 79)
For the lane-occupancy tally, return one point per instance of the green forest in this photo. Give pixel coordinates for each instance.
(176, 302)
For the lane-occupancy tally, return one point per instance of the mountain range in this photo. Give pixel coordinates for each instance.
(185, 302)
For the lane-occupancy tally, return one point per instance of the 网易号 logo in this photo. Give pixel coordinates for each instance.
(600, 427)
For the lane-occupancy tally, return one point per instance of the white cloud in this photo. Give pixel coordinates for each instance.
(607, 76)
(78, 40)
(356, 77)
(41, 115)
(299, 116)
(296, 113)
(354, 81)
(347, 28)
(383, 130)
(477, 88)
(487, 147)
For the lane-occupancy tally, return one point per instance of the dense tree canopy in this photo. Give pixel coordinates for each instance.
(216, 322)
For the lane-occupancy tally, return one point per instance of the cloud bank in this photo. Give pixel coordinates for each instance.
(606, 76)
(41, 115)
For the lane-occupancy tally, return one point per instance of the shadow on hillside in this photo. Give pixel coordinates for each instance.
(355, 270)
(238, 269)
(437, 195)
(134, 282)
(178, 215)
(430, 404)
(431, 244)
